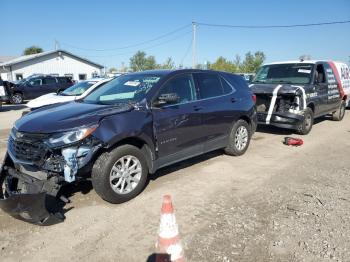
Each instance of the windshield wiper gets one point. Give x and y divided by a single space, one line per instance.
282 81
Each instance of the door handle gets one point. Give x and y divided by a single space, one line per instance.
197 108
233 100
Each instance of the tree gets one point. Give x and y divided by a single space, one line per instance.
168 64
139 62
252 62
32 50
305 57
222 64
113 70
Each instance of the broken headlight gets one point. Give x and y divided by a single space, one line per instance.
69 137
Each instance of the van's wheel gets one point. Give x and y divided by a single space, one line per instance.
306 125
340 113
17 98
239 139
120 175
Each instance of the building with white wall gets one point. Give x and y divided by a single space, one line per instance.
57 63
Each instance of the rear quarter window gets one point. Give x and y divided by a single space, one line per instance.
209 85
236 81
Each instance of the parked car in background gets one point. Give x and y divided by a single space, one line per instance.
36 86
248 77
3 92
292 94
77 91
121 132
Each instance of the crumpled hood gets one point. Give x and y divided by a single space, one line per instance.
260 88
66 116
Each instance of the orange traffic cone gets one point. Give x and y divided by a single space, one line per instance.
168 246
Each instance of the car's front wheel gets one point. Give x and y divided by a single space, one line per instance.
239 138
120 175
17 98
306 125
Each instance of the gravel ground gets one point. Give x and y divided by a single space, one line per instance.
275 203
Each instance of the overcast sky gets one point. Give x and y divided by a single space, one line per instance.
114 25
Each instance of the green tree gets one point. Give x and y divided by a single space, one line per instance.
305 57
141 62
222 64
113 70
32 50
252 62
168 64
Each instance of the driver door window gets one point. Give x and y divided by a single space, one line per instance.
36 82
183 86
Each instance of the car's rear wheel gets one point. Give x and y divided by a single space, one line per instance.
340 113
306 125
239 138
17 98
120 175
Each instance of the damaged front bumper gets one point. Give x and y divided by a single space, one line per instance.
282 120
28 199
33 174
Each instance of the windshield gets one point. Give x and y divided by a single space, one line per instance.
128 88
78 89
284 73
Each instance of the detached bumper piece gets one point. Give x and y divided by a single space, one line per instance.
40 209
30 199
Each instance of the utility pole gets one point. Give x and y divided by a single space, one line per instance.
194 29
56 45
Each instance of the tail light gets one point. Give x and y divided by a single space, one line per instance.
254 98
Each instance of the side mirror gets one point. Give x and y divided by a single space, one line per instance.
170 98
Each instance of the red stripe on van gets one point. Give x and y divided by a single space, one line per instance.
337 76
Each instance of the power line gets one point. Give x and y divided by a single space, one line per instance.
186 52
274 26
146 48
133 45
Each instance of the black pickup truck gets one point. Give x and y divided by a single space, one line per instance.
292 94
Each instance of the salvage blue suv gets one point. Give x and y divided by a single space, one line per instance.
117 135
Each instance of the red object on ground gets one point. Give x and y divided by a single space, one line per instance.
291 141
168 246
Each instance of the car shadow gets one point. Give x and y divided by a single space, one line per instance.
6 108
69 190
282 131
85 186
184 164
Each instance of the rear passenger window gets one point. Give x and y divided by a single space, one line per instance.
49 81
209 85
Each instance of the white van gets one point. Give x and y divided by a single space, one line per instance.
344 79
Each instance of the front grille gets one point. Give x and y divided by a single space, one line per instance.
28 148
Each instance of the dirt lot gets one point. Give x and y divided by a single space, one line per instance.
276 203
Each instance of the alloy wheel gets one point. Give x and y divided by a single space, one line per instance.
125 174
241 138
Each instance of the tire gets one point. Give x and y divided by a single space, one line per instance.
339 114
17 98
110 163
305 127
239 139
